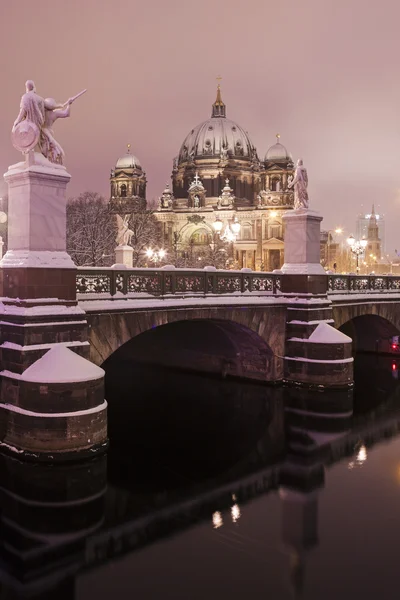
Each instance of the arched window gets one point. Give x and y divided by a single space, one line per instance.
275 184
200 237
123 190
274 230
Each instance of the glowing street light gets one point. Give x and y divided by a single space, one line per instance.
155 255
357 247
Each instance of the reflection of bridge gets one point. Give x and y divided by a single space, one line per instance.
59 523
121 304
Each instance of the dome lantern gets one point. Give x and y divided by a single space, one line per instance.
218 108
278 152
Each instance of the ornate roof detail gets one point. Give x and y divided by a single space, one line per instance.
227 197
166 199
196 184
218 108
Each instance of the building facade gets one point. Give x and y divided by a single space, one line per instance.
221 193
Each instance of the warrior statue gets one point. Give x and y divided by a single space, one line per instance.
299 183
32 129
124 233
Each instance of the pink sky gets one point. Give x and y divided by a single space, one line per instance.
323 73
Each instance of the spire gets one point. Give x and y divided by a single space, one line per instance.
373 211
218 108
128 148
278 137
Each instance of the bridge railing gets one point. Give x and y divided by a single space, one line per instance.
158 282
348 284
99 281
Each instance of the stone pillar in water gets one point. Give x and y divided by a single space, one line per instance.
52 398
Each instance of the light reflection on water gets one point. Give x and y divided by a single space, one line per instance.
243 499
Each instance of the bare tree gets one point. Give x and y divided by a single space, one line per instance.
91 230
146 234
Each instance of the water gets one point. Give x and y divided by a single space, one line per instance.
212 490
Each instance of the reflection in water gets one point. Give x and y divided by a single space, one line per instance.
235 513
360 459
217 520
188 450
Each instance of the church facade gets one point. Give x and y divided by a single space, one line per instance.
221 193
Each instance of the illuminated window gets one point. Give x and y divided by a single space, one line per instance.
200 237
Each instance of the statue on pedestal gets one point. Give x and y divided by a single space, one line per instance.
124 234
300 183
32 129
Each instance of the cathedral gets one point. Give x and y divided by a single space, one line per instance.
222 194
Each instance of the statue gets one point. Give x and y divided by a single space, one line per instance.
299 183
32 129
196 201
124 233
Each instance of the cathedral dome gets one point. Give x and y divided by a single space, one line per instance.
217 136
277 152
129 161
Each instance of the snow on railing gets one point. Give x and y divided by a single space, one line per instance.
347 284
111 281
161 282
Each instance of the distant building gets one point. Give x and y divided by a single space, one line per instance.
362 224
373 251
218 180
329 250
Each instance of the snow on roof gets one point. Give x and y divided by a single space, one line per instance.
326 334
61 365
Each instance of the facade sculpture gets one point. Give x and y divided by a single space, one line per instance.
300 183
33 128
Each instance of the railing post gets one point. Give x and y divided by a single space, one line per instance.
161 280
113 287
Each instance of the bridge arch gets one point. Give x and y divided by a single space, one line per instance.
240 341
370 333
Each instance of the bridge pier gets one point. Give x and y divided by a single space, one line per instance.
51 397
316 354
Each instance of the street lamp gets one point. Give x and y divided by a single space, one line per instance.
230 233
357 247
155 255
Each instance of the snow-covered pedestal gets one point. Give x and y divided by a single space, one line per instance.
55 407
46 408
324 358
124 255
302 268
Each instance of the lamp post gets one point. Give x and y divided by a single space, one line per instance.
155 255
357 247
230 233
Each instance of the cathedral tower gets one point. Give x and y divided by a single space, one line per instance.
128 185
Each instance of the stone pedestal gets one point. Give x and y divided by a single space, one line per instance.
39 313
124 256
303 271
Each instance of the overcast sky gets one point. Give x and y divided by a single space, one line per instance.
325 74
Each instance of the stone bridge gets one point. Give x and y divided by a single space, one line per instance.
232 322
